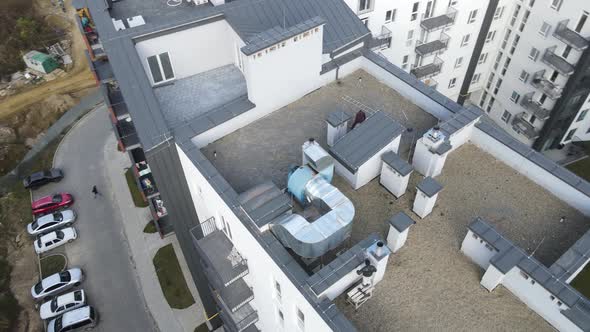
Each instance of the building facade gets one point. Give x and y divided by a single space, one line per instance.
523 62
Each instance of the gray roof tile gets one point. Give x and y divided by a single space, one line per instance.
401 221
337 118
429 186
394 161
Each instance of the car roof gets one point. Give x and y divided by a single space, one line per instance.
51 280
75 315
49 236
66 298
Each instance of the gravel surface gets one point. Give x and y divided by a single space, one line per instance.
429 284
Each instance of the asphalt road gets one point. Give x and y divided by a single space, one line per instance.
101 249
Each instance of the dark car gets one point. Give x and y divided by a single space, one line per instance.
38 179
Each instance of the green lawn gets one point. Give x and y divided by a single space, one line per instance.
134 189
150 228
582 282
171 279
52 264
202 328
582 167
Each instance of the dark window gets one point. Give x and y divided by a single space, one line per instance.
166 66
58 216
78 296
566 52
155 69
56 199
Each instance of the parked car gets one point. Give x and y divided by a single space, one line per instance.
85 317
60 304
55 239
51 203
57 283
39 179
51 221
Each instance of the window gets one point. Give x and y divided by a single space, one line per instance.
390 15
570 134
506 37
475 78
524 76
515 15
515 97
491 35
482 58
545 28
506 64
506 117
497 87
472 16
554 76
459 62
582 115
498 58
278 293
405 62
429 9
364 5
160 67
581 22
531 3
281 317
525 18
498 13
542 99
452 3
514 43
566 52
414 14
465 40
452 82
556 4
482 101
490 104
534 54
410 37
490 80
300 319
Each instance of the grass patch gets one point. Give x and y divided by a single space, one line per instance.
150 228
171 279
52 264
581 168
582 282
202 328
135 193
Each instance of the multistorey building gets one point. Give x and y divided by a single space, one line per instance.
525 62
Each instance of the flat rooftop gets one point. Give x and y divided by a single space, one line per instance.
429 284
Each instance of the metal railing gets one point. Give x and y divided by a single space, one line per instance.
549 88
556 62
534 107
428 70
523 127
569 36
383 40
432 23
435 46
208 226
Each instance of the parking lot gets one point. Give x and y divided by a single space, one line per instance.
101 249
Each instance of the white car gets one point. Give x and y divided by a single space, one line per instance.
57 283
51 222
82 318
55 239
60 304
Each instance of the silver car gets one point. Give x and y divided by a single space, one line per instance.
85 317
52 221
57 283
60 304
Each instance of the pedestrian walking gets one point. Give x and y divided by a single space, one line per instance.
95 191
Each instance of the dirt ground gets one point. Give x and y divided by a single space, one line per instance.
26 115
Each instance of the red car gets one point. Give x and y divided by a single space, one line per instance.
51 203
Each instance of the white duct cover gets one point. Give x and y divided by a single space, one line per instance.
313 239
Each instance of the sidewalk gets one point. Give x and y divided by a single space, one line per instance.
144 247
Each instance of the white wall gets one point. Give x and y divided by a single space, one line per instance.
262 268
193 50
475 248
554 185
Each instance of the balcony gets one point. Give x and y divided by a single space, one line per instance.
523 127
90 35
556 62
428 70
126 134
534 107
549 88
241 320
438 22
569 36
114 100
431 83
435 46
381 41
223 264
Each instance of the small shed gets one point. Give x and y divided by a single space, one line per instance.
40 62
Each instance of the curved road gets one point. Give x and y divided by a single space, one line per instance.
101 249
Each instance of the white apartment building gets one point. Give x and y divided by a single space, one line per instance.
524 60
248 114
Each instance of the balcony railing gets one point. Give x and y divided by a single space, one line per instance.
223 263
127 134
534 107
381 41
523 127
431 82
428 70
240 320
569 36
438 22
236 295
435 46
549 88
556 62
90 34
